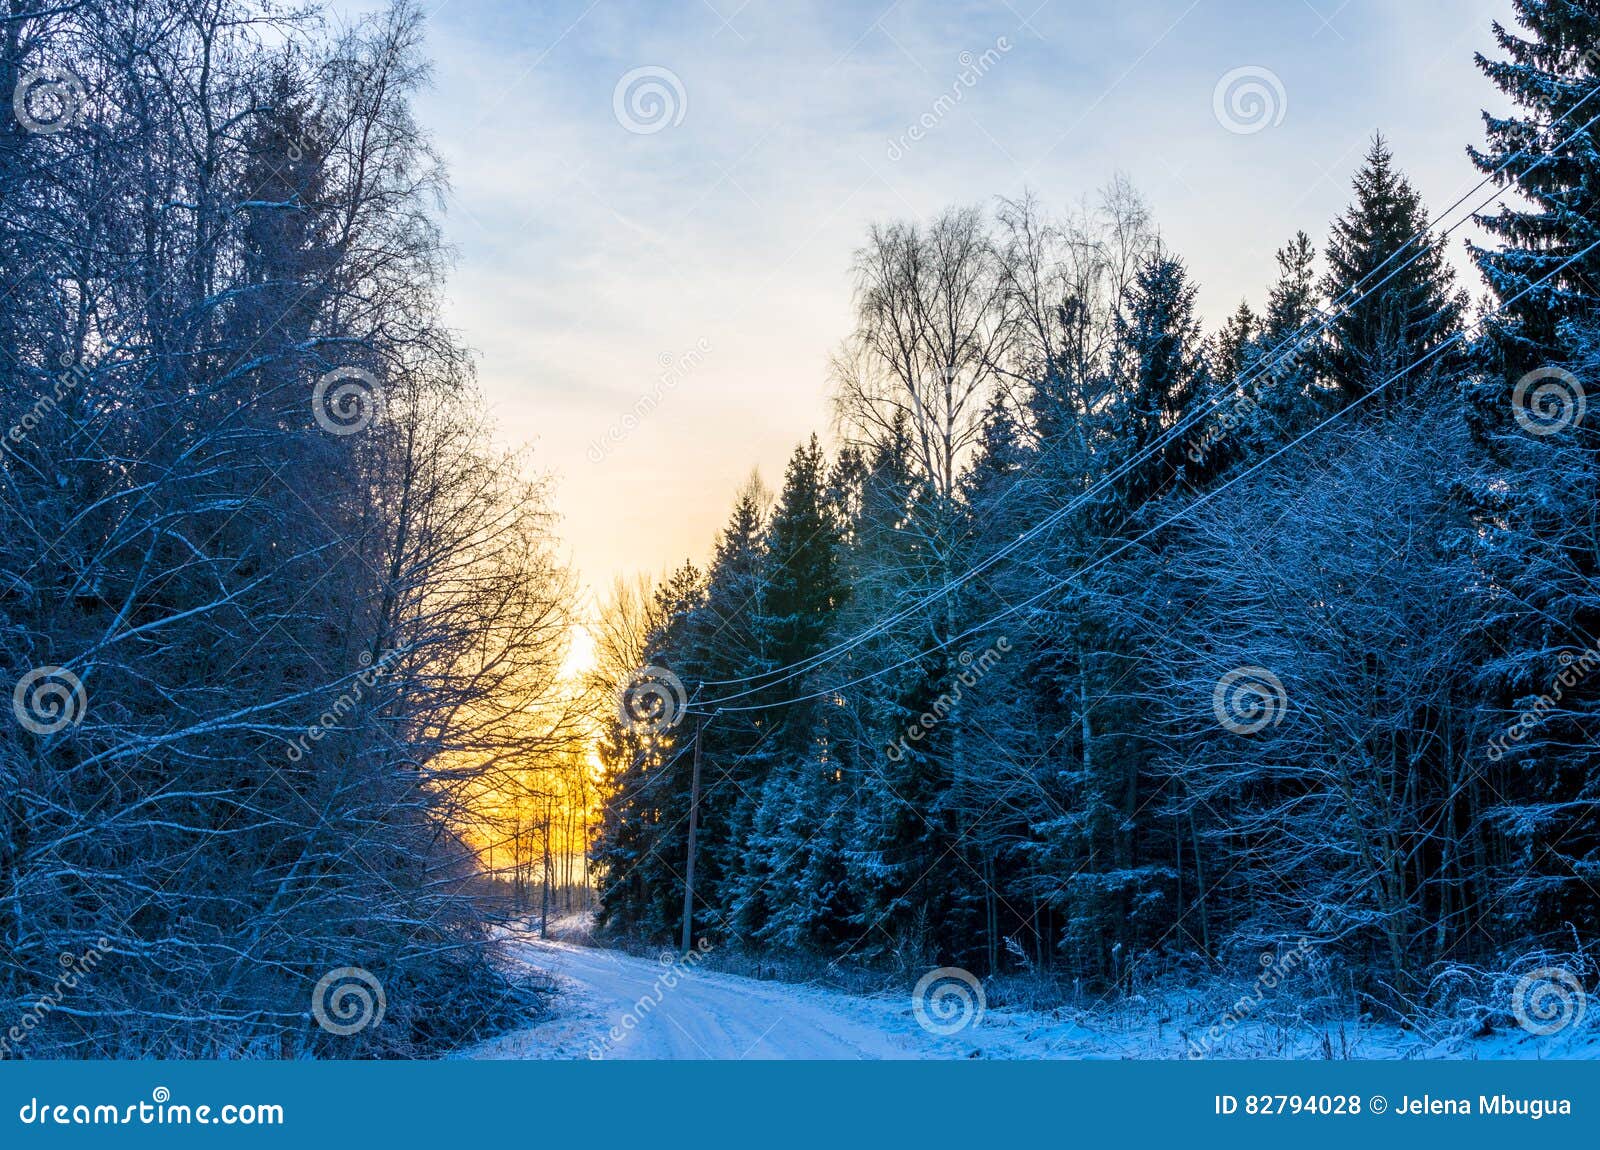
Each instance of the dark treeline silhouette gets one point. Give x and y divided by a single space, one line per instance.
274 609
1108 647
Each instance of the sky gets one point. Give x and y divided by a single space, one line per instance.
654 205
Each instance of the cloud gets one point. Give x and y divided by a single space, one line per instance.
589 251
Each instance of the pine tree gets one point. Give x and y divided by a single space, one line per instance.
1160 368
885 562
999 706
1391 296
1532 494
1556 167
1292 302
1233 344
644 846
726 646
1277 396
781 588
289 237
802 582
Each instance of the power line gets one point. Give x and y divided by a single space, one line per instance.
1182 512
1264 366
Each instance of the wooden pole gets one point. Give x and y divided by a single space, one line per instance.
544 912
694 816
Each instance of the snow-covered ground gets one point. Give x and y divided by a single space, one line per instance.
615 1005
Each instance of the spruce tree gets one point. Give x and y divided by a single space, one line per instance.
1278 391
1532 494
1292 302
802 582
1548 72
725 645
1388 287
759 750
1161 369
1233 344
644 843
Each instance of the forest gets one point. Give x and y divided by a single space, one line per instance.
1111 649
1089 646
278 615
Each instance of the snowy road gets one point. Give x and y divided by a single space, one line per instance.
618 1006
614 1005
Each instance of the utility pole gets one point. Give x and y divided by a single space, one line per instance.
694 817
544 911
